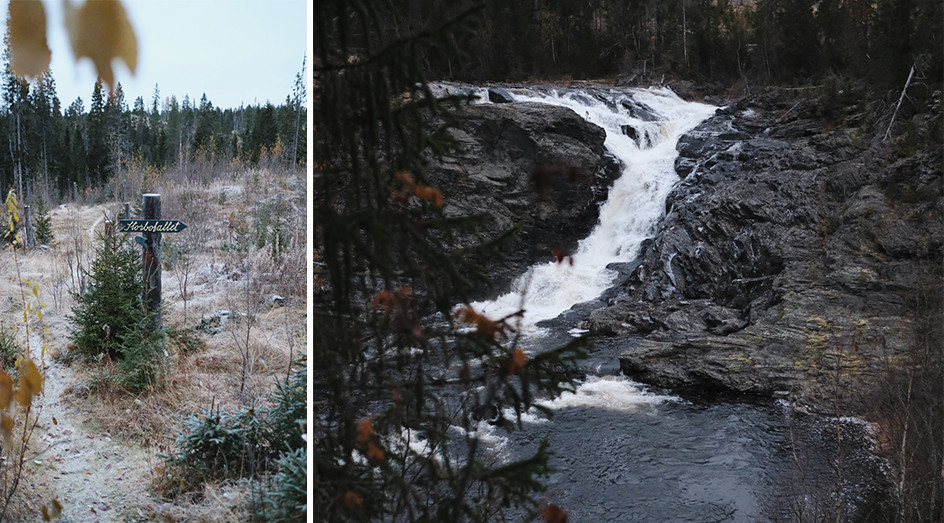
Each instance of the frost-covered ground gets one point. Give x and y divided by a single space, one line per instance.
95 448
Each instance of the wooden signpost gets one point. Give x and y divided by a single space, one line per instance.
152 226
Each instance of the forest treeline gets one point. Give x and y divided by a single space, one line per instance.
754 42
51 146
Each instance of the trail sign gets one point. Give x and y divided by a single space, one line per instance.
152 226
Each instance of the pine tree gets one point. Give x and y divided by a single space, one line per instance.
394 373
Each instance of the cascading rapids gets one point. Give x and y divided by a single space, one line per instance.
642 128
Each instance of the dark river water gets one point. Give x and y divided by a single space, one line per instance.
625 452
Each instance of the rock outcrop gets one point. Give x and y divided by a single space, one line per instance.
790 254
540 168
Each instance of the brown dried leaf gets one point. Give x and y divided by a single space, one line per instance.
6 431
365 429
29 52
31 383
56 509
429 194
518 360
483 325
100 30
374 452
6 390
406 179
554 514
385 300
6 425
352 500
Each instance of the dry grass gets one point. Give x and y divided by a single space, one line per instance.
215 264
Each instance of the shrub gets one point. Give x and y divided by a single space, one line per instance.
142 363
186 340
215 445
286 499
285 431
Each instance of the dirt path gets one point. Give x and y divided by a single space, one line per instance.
94 476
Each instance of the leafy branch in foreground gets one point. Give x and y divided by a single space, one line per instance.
19 419
403 383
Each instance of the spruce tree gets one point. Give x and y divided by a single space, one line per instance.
105 316
43 223
401 381
109 320
97 132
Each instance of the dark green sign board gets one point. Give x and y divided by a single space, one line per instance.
154 226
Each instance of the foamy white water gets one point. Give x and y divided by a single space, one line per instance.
635 203
607 392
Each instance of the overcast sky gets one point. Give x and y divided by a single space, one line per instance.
235 51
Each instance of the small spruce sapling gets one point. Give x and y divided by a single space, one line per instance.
43 223
109 320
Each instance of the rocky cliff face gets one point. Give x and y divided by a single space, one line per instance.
791 255
537 167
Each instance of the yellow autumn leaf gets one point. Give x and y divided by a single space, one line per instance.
31 383
29 52
6 390
101 32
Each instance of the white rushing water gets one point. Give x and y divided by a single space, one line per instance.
635 203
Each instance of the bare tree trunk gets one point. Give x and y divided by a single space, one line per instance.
28 225
685 36
903 451
888 132
19 155
837 412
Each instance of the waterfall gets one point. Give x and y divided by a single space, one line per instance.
642 128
